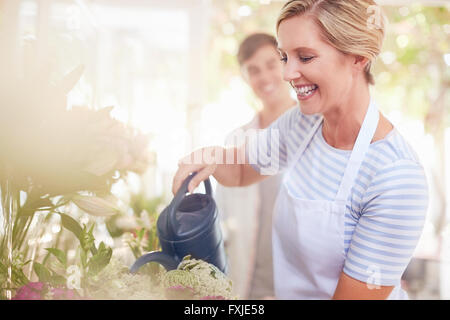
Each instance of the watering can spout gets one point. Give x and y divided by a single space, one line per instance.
167 261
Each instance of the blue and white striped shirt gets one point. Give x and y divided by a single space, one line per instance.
388 202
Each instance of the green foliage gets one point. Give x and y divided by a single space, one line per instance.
18 276
71 224
415 78
90 260
99 260
59 254
87 239
42 272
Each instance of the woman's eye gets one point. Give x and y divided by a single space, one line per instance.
305 59
283 59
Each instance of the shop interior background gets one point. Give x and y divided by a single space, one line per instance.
169 69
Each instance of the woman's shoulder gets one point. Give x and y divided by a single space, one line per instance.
393 158
395 147
392 170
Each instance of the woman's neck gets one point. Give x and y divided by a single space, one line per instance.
271 112
343 122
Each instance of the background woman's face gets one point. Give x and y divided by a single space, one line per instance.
321 75
263 71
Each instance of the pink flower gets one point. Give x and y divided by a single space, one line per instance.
31 291
179 292
64 294
213 298
39 290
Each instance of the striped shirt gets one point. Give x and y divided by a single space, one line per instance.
386 207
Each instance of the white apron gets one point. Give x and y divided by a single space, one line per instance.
308 235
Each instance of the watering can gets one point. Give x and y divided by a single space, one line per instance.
188 226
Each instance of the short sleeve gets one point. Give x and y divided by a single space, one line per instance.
266 150
391 222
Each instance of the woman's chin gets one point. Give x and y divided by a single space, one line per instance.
308 110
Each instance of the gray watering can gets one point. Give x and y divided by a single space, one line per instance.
188 226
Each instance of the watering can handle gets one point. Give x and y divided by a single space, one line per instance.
181 194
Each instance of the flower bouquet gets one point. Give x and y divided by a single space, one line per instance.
192 280
50 157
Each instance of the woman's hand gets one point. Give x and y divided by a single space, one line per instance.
228 166
202 161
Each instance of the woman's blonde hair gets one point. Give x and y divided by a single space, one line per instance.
351 26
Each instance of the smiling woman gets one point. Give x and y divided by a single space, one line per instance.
378 226
352 204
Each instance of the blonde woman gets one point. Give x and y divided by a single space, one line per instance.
353 201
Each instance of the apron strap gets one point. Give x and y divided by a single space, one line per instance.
359 152
303 146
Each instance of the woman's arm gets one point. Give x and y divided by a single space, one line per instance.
387 232
228 166
351 289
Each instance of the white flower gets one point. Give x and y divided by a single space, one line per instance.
96 206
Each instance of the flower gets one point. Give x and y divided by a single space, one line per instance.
180 293
62 151
115 282
212 282
213 298
182 278
96 206
44 291
63 293
31 291
207 282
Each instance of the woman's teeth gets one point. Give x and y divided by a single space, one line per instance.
306 91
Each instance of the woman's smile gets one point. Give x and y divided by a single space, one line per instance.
306 92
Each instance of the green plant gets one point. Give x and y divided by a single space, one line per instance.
89 261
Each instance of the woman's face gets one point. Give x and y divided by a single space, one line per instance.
321 75
263 71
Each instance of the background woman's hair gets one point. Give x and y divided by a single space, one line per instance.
351 26
253 43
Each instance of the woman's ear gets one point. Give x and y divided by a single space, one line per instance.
360 62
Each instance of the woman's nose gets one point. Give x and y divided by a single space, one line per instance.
291 72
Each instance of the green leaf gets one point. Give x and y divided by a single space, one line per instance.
112 227
19 277
42 272
100 259
59 254
71 224
83 258
140 234
87 240
33 204
58 279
